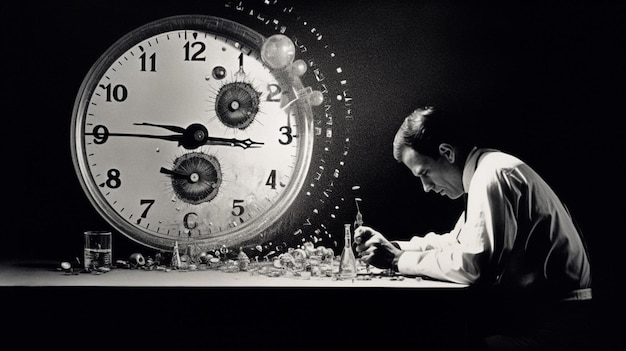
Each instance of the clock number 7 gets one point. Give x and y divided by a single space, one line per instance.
144 214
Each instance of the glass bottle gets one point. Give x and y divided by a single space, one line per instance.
347 262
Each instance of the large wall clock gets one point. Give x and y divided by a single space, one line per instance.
185 132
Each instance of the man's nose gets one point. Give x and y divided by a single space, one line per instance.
428 186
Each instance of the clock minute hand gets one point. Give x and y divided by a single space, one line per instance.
246 143
191 137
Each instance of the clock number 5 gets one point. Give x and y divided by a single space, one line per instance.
238 210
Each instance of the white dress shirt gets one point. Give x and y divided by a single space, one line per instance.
517 234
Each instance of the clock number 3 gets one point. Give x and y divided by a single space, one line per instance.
286 131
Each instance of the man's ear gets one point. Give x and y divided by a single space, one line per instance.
448 152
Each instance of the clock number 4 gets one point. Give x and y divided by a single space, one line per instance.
271 180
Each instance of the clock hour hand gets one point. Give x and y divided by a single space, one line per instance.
176 129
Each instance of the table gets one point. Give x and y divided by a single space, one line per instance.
47 274
285 309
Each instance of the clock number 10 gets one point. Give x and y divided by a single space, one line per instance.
117 93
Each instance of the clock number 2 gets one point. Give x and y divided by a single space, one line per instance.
273 93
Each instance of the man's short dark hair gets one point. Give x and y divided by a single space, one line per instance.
427 128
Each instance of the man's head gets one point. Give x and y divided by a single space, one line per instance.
434 145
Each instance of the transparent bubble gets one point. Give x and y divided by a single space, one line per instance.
316 98
278 51
299 67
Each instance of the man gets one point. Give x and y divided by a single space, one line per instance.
515 241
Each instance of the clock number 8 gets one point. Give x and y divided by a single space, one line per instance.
113 180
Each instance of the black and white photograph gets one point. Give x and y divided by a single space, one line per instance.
439 175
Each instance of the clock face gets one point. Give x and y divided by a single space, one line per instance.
181 133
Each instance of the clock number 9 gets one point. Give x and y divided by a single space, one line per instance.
100 134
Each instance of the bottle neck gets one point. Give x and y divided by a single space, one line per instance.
347 238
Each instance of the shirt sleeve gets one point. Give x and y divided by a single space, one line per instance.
433 240
460 261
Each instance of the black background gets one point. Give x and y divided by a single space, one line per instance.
543 82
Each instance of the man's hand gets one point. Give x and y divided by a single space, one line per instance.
374 248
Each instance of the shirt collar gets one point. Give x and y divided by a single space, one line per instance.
470 167
471 164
